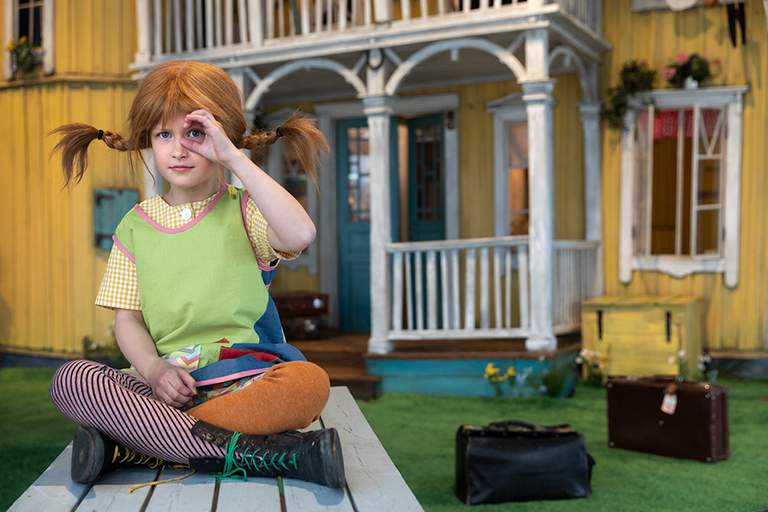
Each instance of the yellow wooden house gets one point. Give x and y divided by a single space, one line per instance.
471 191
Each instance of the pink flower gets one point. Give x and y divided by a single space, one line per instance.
716 62
682 58
668 73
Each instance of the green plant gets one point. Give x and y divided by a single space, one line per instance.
23 56
558 377
694 66
593 364
634 77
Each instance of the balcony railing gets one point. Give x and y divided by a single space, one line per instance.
478 288
172 27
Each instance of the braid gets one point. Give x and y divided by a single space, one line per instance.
302 138
76 138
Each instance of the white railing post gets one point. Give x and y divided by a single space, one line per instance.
256 22
523 289
144 21
383 10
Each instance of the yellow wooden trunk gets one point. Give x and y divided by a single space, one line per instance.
645 335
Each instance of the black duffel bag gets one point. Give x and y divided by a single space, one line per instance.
518 461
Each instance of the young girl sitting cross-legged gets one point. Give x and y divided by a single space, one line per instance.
212 385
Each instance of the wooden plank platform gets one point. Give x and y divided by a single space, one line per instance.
373 481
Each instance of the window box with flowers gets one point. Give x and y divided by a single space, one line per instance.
24 58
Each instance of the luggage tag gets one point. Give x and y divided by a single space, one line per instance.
669 404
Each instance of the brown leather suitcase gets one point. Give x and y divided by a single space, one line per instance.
694 426
301 304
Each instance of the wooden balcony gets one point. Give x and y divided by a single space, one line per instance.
250 32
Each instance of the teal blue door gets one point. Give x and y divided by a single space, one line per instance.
426 178
426 194
354 228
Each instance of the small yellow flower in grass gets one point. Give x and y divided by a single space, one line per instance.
22 39
11 46
511 371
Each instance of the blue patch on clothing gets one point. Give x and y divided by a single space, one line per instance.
225 367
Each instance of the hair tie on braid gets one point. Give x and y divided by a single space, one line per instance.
100 135
279 132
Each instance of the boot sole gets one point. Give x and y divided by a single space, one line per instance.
333 461
87 455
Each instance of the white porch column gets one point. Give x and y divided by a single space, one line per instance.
238 76
378 111
593 188
538 105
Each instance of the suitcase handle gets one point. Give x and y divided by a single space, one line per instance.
530 427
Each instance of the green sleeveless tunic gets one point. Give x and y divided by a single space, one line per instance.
197 283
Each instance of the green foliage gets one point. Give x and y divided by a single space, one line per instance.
23 56
634 77
694 66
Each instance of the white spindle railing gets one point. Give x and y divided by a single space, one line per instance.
589 12
169 27
574 278
478 288
475 288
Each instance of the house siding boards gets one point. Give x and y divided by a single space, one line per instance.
735 319
49 267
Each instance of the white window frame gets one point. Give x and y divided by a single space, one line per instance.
10 15
727 262
308 257
511 109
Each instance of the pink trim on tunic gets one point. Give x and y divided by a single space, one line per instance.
123 249
186 226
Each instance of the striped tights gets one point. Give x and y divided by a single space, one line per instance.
121 406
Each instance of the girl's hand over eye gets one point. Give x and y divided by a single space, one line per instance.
214 145
171 384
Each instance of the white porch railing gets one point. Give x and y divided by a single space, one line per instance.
168 28
478 288
574 278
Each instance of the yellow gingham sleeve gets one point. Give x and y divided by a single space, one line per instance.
257 234
119 286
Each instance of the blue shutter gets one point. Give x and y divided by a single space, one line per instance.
109 207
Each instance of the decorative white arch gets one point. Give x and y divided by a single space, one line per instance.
587 92
263 85
504 56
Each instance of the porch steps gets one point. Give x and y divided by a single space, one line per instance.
342 357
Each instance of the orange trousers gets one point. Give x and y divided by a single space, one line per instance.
288 396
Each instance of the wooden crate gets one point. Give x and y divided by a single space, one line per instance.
644 336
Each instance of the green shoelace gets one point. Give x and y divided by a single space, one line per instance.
258 461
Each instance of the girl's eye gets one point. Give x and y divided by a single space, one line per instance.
160 134
195 130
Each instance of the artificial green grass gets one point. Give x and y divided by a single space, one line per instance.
418 433
32 431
